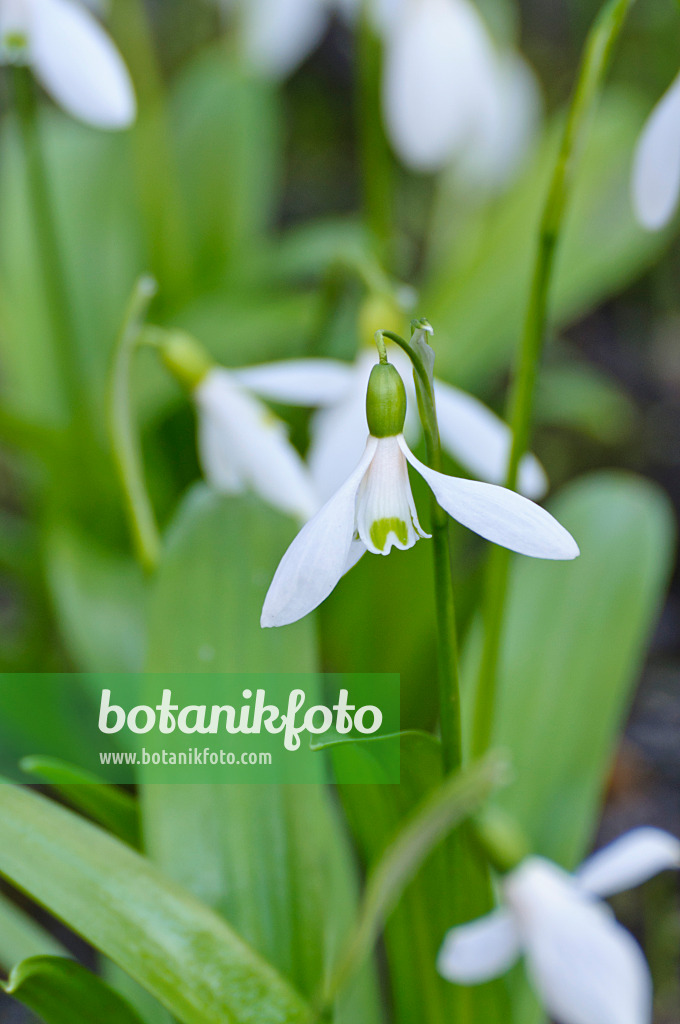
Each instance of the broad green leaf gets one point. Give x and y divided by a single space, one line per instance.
274 860
478 300
575 640
61 991
99 599
178 949
110 806
22 937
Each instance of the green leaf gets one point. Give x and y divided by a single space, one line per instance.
438 814
477 306
179 950
21 937
274 860
61 991
574 642
108 805
99 598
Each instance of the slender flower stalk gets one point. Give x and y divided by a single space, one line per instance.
595 62
123 433
49 254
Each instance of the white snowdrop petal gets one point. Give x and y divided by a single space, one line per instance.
278 34
386 516
357 551
499 515
481 950
656 166
243 438
318 557
586 968
307 382
629 861
78 64
15 23
481 441
437 69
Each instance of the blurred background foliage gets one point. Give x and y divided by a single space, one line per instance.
243 197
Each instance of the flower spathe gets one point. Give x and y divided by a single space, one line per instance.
243 445
374 511
656 168
586 968
71 56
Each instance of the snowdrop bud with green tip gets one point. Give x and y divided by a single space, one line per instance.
241 444
374 511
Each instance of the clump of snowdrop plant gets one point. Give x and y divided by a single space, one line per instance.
656 168
374 511
241 443
72 57
448 92
585 967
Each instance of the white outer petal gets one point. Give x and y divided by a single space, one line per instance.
481 950
240 440
499 515
278 34
438 69
481 441
629 861
318 557
656 166
79 66
586 968
308 382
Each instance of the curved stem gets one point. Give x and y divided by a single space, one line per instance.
447 645
597 53
49 255
125 442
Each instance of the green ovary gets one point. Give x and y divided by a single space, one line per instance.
381 529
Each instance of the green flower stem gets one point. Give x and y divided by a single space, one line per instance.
447 646
49 255
156 166
595 62
124 437
375 154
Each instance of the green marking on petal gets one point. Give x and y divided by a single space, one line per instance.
381 529
15 42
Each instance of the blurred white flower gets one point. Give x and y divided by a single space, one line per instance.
585 967
374 511
243 444
72 57
448 92
470 432
656 166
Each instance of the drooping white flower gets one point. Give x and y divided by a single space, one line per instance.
656 166
71 56
470 432
585 967
374 511
242 445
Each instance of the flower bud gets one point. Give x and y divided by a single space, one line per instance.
379 312
385 401
186 359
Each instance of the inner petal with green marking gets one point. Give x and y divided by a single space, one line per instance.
386 515
381 529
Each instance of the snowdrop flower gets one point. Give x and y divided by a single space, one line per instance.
656 166
374 511
470 432
241 444
585 967
71 56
